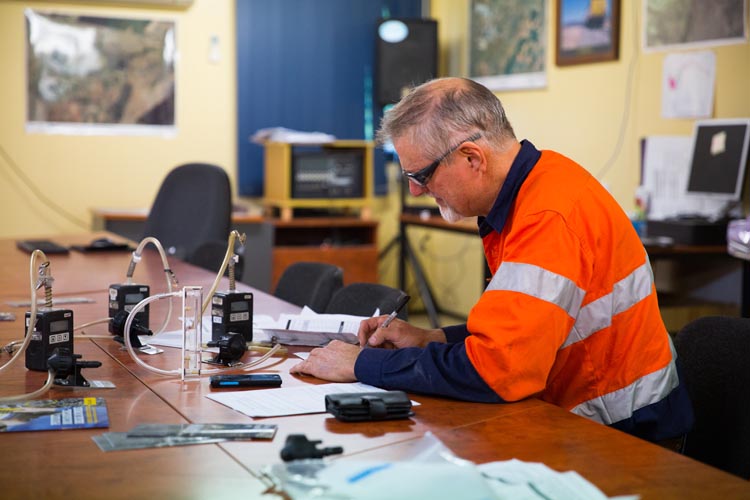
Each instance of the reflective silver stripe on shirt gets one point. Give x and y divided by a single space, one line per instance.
622 403
540 283
625 294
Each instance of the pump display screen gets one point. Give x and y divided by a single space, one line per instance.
58 326
134 298
241 305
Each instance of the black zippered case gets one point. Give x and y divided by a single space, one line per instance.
359 407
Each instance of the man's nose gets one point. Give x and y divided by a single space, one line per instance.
416 190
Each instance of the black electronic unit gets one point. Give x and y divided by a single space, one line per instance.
690 231
124 297
232 312
53 329
328 173
406 55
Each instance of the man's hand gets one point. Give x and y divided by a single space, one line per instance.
396 335
335 362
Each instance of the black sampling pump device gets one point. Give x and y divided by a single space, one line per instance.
53 327
232 311
123 297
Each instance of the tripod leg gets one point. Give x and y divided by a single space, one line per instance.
424 288
385 251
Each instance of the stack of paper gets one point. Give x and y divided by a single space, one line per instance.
309 328
281 134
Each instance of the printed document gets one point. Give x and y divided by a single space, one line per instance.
309 328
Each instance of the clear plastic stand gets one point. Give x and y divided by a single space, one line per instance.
192 300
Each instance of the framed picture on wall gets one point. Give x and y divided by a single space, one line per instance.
508 43
100 75
588 31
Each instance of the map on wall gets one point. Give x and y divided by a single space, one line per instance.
99 75
697 23
508 43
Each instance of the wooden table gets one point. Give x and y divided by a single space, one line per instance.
68 464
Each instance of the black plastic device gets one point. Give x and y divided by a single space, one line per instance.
46 246
298 447
124 297
68 366
102 245
117 326
232 312
53 330
245 380
231 349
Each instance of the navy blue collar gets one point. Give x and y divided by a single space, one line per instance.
524 161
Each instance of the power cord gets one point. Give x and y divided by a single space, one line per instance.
54 207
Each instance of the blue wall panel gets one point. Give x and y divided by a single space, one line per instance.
307 65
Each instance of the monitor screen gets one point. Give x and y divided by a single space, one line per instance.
328 173
720 149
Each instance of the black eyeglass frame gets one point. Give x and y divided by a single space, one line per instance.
422 177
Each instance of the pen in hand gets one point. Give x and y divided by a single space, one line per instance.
402 300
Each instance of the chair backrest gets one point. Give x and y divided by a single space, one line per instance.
193 206
714 353
210 255
361 299
309 284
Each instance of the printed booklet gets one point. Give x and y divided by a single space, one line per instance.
53 414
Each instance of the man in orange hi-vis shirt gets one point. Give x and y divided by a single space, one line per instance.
570 314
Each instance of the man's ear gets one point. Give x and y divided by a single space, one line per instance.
475 155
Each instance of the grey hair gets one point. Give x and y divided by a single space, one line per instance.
440 112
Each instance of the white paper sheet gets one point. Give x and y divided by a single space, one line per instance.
309 328
286 401
688 82
666 168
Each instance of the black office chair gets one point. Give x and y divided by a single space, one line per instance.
361 299
715 356
210 255
309 284
193 206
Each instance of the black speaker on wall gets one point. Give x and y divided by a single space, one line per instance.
406 55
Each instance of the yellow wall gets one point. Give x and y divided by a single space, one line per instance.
580 113
83 172
582 110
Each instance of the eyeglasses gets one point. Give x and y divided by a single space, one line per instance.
422 177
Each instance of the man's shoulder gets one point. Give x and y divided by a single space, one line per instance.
556 173
558 162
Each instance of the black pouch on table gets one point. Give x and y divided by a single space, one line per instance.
358 407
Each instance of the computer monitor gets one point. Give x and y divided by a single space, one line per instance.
720 149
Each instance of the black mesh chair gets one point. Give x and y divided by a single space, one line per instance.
715 356
361 299
310 284
193 206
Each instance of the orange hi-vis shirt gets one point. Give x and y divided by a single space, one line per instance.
571 312
569 316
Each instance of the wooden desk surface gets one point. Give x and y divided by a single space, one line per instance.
68 464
